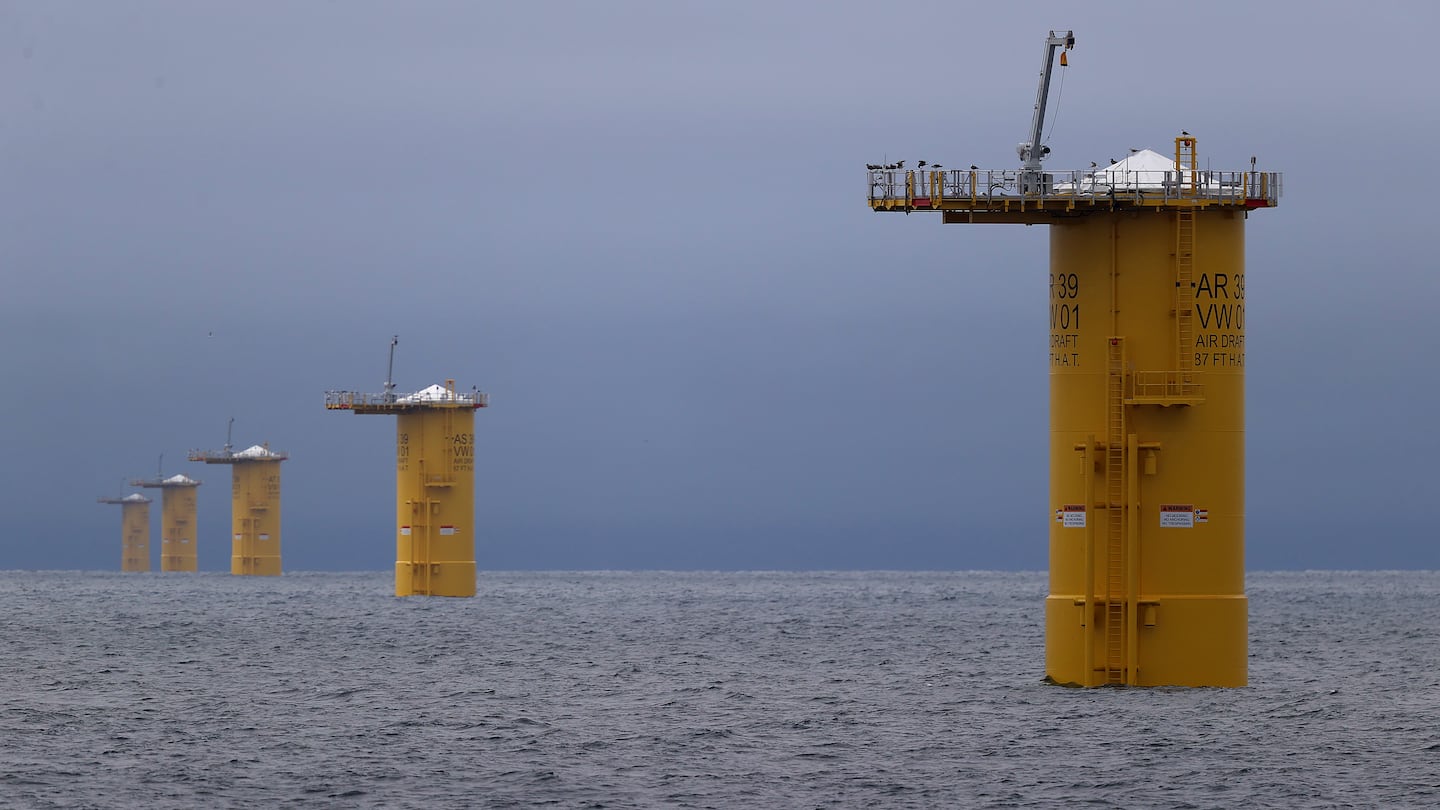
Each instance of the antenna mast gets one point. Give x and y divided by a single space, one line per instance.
228 428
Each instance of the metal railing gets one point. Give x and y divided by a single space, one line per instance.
348 400
933 187
1166 385
224 456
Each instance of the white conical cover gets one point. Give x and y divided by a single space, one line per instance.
1143 169
1141 160
135 498
256 451
435 393
179 479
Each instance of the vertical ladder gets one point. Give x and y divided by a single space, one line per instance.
420 534
420 529
1184 288
428 559
247 543
1187 161
1115 590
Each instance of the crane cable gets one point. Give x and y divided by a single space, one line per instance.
1059 96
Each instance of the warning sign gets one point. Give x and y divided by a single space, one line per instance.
1073 516
1177 516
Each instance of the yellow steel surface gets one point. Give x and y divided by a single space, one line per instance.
1153 453
135 536
178 549
255 517
435 502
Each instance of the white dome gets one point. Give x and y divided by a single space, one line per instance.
435 393
256 451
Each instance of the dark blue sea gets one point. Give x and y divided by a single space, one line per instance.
662 689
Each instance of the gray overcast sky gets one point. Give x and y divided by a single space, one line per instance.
642 228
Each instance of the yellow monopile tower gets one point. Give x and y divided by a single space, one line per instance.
134 531
254 507
178 549
1147 397
434 483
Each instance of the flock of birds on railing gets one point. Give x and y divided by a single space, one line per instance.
900 164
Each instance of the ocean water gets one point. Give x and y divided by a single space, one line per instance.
662 689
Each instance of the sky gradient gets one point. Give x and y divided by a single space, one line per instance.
641 227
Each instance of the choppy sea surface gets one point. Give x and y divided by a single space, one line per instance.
663 689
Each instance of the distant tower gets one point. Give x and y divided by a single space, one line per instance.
1147 397
134 531
254 506
178 550
434 483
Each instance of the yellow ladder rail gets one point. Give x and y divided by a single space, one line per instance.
1184 288
1187 160
1115 571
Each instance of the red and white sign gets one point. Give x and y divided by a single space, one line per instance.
1177 516
447 530
1073 516
404 531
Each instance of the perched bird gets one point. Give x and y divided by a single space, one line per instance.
1113 161
922 164
872 166
1093 164
973 167
899 164
1183 132
936 166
